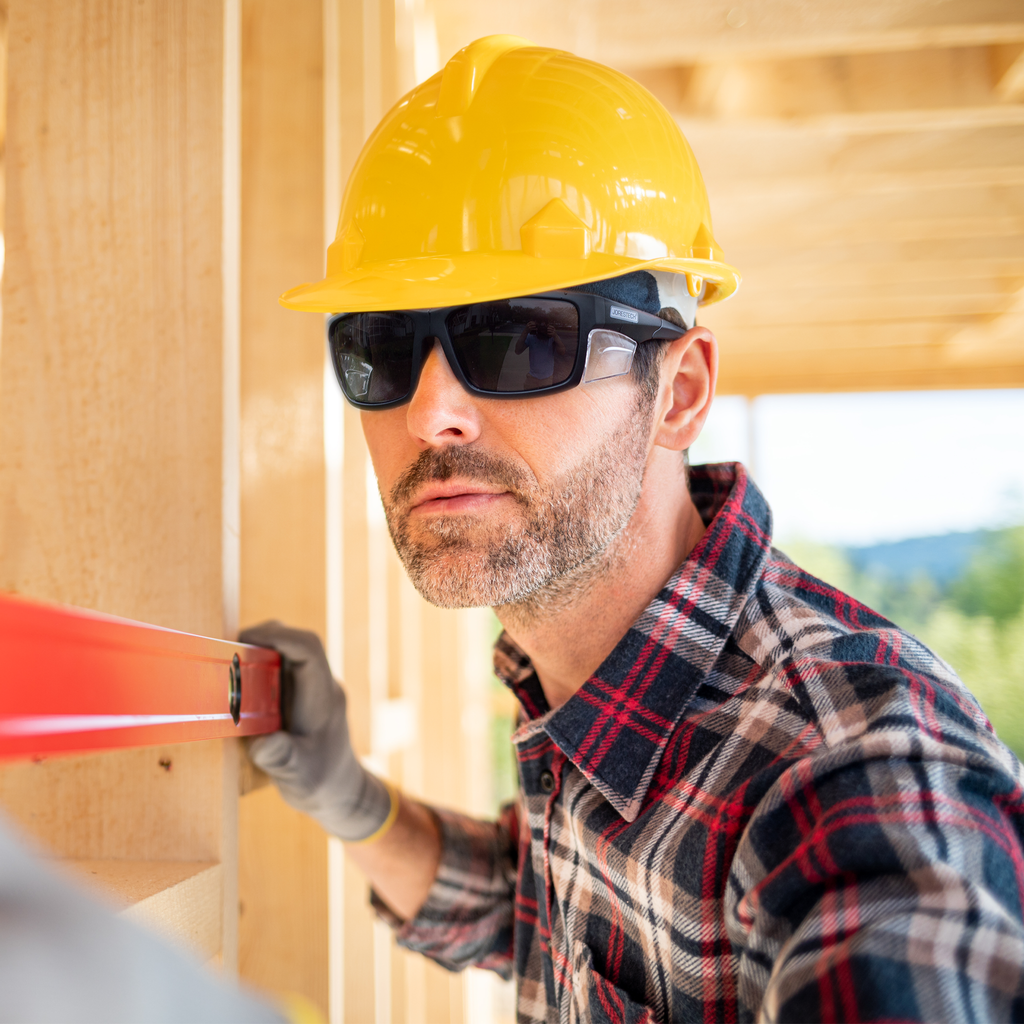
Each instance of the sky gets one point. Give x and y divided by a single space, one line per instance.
857 469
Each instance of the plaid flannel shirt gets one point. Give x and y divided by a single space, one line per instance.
768 803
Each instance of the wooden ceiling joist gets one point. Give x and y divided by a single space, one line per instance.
665 32
865 165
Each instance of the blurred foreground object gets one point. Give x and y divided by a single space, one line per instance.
65 957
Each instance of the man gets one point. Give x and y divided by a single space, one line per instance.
542 342
742 794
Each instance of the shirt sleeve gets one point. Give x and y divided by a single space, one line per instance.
883 881
467 918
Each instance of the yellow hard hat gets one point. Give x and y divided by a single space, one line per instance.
515 170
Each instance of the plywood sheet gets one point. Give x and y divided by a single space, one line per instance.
179 899
110 429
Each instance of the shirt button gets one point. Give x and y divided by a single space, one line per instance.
547 781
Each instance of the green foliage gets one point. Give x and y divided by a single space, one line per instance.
993 585
976 623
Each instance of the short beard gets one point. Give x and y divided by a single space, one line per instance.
547 555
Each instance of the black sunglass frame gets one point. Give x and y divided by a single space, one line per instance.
594 312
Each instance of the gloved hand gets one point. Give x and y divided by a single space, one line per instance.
313 764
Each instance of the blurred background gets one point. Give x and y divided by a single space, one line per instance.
175 450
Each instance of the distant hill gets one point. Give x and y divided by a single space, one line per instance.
943 558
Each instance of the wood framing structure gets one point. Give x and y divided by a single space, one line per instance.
112 463
865 164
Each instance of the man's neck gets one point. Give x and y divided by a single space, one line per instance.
568 637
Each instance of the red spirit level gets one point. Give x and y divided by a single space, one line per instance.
74 680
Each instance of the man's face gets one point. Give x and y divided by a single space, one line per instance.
496 502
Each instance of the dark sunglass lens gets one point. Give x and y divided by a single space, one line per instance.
372 355
516 345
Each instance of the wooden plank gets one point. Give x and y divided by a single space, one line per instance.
178 899
864 182
873 355
809 232
189 912
282 352
801 87
760 152
110 447
783 373
984 253
283 854
664 32
1010 73
1000 275
282 898
152 803
111 385
878 336
788 309
988 207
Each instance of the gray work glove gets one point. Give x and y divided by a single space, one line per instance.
313 764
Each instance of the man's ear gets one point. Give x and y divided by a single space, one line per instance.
689 372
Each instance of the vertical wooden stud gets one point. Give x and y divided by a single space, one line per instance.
283 860
111 388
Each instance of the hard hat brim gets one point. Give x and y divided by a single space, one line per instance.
427 282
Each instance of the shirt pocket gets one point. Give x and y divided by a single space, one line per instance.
595 1000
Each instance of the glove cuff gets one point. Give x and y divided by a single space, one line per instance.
368 817
385 826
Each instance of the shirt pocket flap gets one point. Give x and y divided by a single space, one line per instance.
595 1000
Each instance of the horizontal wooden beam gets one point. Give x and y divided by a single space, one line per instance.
732 153
839 182
763 287
660 32
794 306
1010 84
873 355
766 275
936 213
790 376
777 257
819 86
808 339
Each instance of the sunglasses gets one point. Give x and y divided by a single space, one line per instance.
506 348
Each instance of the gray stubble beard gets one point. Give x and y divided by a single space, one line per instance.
538 564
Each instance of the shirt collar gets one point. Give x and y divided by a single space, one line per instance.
615 727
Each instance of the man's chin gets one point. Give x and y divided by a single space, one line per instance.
463 576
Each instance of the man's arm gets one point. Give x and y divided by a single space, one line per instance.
523 335
402 864
444 881
394 840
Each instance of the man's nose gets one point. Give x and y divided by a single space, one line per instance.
441 411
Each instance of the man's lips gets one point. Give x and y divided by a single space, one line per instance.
455 496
